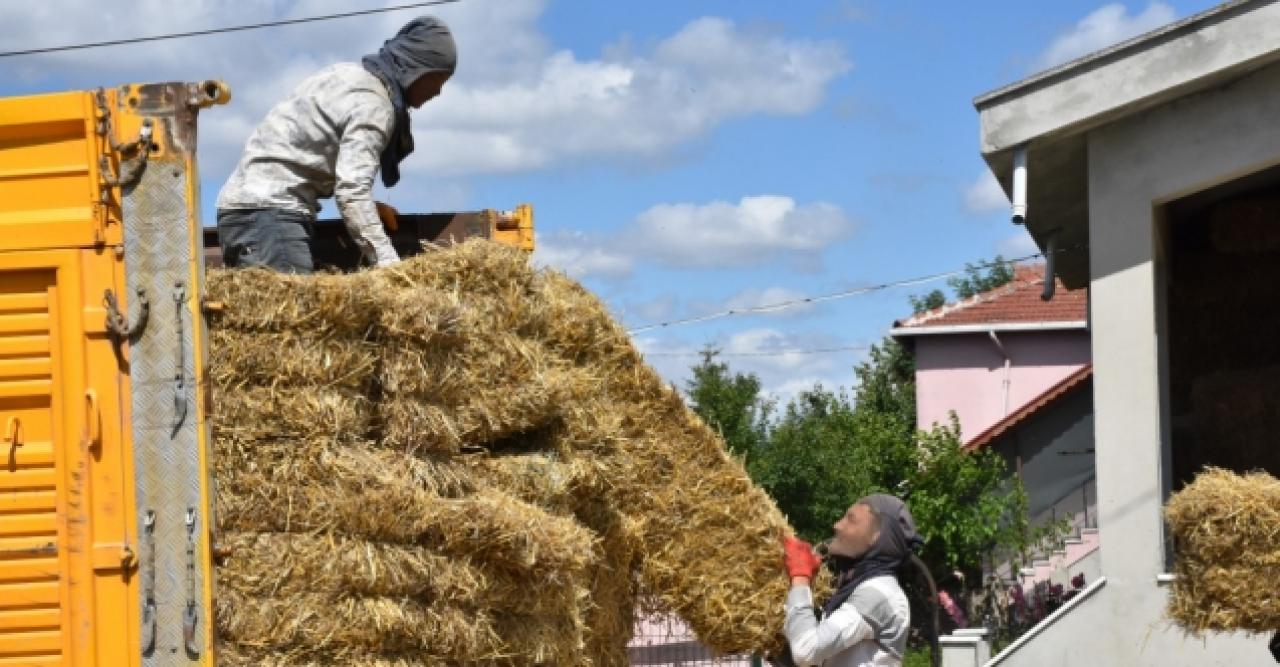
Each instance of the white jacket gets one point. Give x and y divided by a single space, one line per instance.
868 630
324 140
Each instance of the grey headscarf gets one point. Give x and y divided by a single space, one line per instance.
424 45
898 540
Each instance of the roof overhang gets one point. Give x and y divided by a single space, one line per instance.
902 332
1051 113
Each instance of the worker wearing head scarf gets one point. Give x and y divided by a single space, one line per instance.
865 622
329 138
423 47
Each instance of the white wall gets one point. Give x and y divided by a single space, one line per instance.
1136 165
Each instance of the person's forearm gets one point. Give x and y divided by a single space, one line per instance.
799 581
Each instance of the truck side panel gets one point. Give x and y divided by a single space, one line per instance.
80 465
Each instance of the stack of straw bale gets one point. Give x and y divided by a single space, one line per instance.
463 460
1226 530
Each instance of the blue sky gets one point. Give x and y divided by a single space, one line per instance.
681 157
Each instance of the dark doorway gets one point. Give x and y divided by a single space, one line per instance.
1223 259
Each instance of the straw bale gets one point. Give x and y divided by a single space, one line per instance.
610 617
542 478
444 398
1226 531
275 359
237 655
490 525
476 269
695 505
290 564
256 413
415 423
321 304
318 625
284 565
420 317
585 477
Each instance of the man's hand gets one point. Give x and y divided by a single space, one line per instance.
800 560
387 214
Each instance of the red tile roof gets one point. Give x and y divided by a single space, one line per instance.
1051 395
1017 302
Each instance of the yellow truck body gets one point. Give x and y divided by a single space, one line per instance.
80 557
106 513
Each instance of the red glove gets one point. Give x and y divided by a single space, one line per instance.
799 557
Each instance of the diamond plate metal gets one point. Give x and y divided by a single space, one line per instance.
158 243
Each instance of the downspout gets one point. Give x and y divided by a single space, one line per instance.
1007 363
1050 271
1019 199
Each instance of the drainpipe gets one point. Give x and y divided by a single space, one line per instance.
1019 185
1007 363
1050 271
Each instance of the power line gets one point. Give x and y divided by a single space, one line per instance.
215 31
833 296
765 353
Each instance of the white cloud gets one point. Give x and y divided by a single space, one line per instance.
516 103
985 195
662 307
754 230
1105 26
581 255
718 234
1018 245
624 104
782 375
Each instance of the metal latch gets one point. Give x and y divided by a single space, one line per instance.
114 556
117 323
13 438
149 583
180 361
190 616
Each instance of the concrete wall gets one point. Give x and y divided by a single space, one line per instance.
1053 451
1135 166
965 373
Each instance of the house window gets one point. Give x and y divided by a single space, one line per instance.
1223 313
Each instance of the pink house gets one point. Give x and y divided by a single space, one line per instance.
989 355
1015 370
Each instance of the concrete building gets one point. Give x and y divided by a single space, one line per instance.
1152 173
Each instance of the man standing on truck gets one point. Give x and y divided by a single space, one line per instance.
329 138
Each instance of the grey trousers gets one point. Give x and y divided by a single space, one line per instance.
269 237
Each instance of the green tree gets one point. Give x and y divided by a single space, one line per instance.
887 385
729 402
981 277
935 299
826 449
812 461
965 503
977 278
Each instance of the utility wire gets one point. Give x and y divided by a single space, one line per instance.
833 296
216 31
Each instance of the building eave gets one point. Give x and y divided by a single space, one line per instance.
905 332
1050 114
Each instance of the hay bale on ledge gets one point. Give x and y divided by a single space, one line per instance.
1226 531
